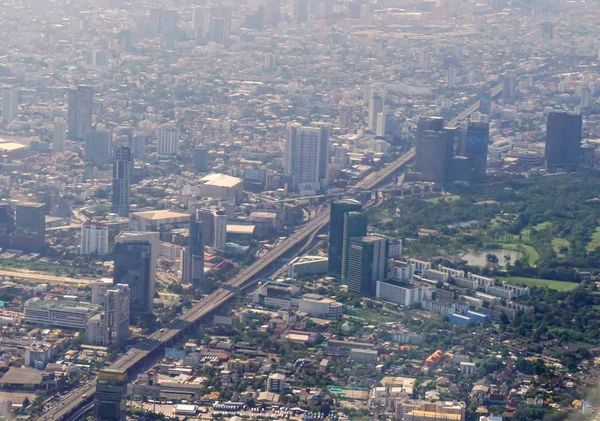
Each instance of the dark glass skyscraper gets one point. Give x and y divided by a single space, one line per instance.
111 388
355 225
367 263
133 268
434 150
194 257
336 233
200 159
121 185
563 142
476 149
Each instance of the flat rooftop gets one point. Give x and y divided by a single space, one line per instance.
62 305
160 214
22 375
221 180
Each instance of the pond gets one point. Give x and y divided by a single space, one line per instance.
478 258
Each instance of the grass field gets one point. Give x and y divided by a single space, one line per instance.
558 243
541 283
450 198
370 315
531 253
595 243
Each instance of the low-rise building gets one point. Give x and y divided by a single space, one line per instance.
307 266
318 306
65 313
402 293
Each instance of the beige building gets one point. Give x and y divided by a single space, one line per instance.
158 220
222 186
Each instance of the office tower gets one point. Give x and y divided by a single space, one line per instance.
563 142
586 97
206 216
194 256
10 104
200 22
509 91
60 134
98 147
476 149
382 118
301 13
355 225
269 62
116 314
79 116
306 157
424 58
168 140
168 22
451 77
200 159
434 148
485 103
220 218
121 185
547 31
136 256
30 226
367 263
99 288
138 145
336 233
111 389
220 24
94 238
375 107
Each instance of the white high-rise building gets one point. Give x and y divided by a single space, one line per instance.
94 238
451 77
10 104
168 140
375 107
381 122
220 219
111 327
60 134
307 157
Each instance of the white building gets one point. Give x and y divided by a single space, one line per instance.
455 273
220 220
111 327
307 157
318 306
276 382
401 270
94 238
167 142
61 313
467 369
221 186
10 104
419 265
395 251
60 134
436 275
402 293
307 266
99 289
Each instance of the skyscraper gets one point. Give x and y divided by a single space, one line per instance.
136 255
476 149
509 91
79 117
375 107
111 388
121 185
194 256
98 146
10 104
60 134
355 225
336 233
138 145
434 149
30 226
116 314
94 238
220 24
200 158
367 263
563 142
220 218
168 140
306 157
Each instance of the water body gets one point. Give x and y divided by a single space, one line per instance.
477 258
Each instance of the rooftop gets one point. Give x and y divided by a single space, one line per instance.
61 305
160 214
22 375
221 180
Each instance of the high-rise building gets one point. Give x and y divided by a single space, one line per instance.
79 117
375 107
547 30
220 218
336 233
355 225
367 263
30 226
476 149
111 389
168 140
121 185
563 142
306 157
220 24
509 91
116 314
10 104
451 77
138 145
94 238
434 149
194 256
98 146
382 118
200 159
136 256
60 134
424 58
214 227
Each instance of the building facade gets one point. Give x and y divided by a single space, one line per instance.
79 117
367 264
121 185
307 157
94 238
338 210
